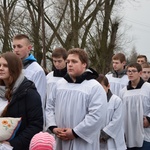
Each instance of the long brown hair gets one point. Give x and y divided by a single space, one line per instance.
15 68
103 79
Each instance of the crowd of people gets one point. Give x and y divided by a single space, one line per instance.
73 107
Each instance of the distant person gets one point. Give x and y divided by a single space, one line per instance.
77 106
20 95
42 141
145 71
33 71
112 135
117 77
141 59
136 102
59 56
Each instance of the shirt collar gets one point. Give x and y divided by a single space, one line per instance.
139 85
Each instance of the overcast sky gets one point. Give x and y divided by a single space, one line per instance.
137 17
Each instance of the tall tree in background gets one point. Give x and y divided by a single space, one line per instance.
7 19
71 30
35 32
69 23
133 56
104 42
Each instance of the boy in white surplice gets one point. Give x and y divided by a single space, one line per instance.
78 104
136 103
112 135
117 77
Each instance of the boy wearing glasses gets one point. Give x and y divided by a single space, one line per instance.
117 77
136 102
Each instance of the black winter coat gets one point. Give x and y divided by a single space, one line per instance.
26 103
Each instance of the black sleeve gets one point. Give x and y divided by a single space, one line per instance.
51 128
76 136
33 119
148 118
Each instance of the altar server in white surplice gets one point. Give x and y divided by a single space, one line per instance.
59 56
32 70
112 135
78 105
136 103
117 77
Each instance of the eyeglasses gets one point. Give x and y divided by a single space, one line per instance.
132 71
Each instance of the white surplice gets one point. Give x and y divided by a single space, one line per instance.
35 73
116 84
81 107
136 103
114 125
51 81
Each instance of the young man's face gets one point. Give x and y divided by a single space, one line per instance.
145 74
141 60
21 48
117 65
74 66
133 74
59 63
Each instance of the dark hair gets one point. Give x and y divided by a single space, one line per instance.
83 56
59 52
15 68
119 56
135 65
145 65
142 56
103 79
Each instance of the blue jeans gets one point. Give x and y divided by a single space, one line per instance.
135 148
146 146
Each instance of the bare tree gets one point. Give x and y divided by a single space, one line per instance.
133 56
35 31
104 42
7 9
68 23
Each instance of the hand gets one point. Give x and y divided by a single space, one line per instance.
69 134
5 142
146 124
57 130
60 133
64 133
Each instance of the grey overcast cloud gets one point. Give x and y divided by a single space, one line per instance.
136 16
